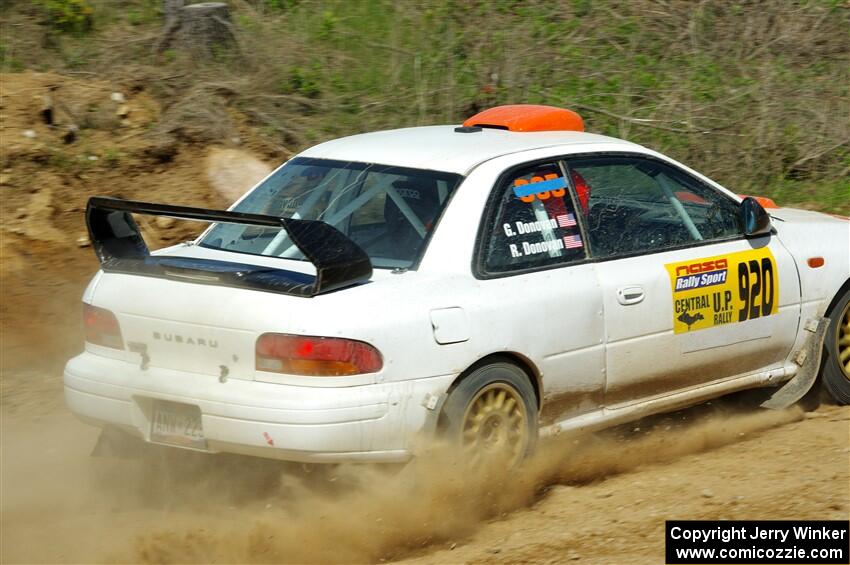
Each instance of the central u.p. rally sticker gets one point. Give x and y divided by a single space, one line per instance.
724 289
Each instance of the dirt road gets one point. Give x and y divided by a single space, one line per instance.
752 466
594 499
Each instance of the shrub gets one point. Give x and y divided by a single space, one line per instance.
69 16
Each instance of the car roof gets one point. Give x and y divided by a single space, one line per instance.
441 148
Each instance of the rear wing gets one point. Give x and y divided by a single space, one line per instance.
119 245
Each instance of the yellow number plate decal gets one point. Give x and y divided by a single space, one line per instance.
725 289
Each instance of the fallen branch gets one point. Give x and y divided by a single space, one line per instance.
650 123
799 162
303 101
646 122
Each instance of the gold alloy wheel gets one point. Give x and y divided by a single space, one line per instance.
495 426
842 341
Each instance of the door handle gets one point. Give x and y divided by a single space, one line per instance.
630 295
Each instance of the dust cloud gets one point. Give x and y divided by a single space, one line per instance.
244 510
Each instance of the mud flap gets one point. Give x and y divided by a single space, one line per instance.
809 359
434 405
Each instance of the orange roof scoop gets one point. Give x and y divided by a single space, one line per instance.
527 117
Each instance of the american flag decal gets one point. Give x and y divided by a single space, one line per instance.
572 241
566 220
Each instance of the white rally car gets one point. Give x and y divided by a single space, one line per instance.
493 282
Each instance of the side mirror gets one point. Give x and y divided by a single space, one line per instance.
755 220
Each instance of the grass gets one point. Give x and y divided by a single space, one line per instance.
755 95
831 195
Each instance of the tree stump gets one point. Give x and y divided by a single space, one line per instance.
171 11
204 30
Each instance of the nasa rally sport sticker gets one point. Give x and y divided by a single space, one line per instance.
725 289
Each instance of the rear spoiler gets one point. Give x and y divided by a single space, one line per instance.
119 245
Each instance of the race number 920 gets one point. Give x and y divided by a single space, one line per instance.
756 289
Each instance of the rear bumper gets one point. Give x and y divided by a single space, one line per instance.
310 424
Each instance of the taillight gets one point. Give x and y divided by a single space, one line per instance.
315 356
101 327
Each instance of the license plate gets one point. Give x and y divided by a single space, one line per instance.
177 424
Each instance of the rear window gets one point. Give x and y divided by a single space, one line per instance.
387 211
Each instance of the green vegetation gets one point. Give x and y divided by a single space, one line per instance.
144 12
8 62
73 16
755 95
112 157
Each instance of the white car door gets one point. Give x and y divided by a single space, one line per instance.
538 294
688 300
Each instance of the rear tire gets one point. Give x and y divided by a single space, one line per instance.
492 415
836 370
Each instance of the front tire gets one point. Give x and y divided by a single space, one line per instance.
836 370
492 415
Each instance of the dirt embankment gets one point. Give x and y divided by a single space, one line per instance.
590 499
64 140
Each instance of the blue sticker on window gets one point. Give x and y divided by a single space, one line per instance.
534 188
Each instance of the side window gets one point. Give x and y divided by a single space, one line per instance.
533 223
714 214
636 205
